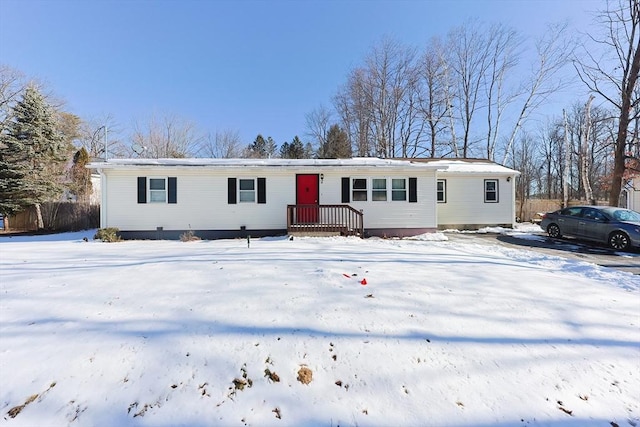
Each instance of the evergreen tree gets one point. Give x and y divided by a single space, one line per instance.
271 147
258 149
31 153
284 150
337 145
261 148
295 150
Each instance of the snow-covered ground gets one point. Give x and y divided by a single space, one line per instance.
414 332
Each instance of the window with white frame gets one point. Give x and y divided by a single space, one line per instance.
441 191
157 190
491 191
359 189
379 189
398 189
247 190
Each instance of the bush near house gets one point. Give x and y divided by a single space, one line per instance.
108 235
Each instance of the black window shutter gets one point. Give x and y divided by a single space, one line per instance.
172 196
345 190
231 191
142 189
262 190
413 190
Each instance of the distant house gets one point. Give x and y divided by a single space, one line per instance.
224 198
632 193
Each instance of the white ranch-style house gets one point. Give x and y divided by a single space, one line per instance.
226 198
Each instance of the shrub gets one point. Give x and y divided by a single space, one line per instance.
108 234
188 236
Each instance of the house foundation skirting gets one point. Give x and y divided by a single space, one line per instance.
471 226
161 234
397 232
202 234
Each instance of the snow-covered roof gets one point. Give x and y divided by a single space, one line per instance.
205 162
469 166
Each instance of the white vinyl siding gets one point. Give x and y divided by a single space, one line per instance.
393 214
465 202
203 199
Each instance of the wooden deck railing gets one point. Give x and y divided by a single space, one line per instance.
341 219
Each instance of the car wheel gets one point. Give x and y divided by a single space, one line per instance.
554 231
619 241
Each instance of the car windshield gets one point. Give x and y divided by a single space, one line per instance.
625 215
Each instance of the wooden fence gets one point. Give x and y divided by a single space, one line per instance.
529 210
57 216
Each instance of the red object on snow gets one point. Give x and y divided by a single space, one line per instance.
346 275
364 282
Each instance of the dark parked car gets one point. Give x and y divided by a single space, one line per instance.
617 227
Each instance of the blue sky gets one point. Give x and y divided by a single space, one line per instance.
251 66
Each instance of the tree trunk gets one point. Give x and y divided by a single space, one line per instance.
584 153
565 172
623 125
39 220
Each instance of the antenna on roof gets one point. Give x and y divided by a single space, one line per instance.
138 149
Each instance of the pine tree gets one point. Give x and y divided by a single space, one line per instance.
284 150
337 145
295 150
261 148
258 149
31 153
271 147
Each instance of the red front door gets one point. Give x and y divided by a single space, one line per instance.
307 194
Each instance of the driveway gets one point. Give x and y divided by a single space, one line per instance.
565 247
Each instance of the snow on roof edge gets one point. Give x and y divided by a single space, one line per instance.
447 166
205 162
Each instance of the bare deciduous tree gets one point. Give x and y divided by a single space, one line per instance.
468 50
552 51
388 80
318 122
614 75
354 108
525 159
503 57
98 135
584 153
224 144
434 94
377 96
168 137
12 84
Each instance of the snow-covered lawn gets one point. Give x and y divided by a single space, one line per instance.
167 333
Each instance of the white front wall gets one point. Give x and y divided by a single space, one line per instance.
465 202
202 198
389 214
